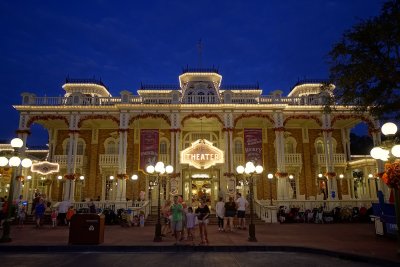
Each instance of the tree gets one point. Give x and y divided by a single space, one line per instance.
365 64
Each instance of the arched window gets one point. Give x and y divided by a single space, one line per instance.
111 146
238 147
163 147
319 146
290 145
80 149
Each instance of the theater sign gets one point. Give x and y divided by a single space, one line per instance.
202 155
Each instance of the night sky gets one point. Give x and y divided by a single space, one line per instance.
274 43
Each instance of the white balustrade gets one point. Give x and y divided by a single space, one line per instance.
62 159
108 159
293 159
338 159
161 99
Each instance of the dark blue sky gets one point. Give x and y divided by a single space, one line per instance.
125 43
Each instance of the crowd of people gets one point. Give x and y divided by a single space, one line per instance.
41 209
181 220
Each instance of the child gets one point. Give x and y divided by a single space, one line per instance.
70 212
21 215
190 224
54 215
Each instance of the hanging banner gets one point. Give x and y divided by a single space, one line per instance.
148 148
253 146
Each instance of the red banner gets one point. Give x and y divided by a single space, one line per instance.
148 148
253 146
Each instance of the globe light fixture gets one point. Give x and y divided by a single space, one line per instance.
17 143
3 161
134 177
389 128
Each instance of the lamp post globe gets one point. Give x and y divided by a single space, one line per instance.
389 128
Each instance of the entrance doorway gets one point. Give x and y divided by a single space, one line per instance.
201 189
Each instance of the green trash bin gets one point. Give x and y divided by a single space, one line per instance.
86 229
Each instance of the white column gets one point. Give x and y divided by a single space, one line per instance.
69 185
231 151
121 176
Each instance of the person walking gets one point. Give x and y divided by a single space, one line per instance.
54 215
70 213
39 212
202 213
230 212
166 214
242 204
190 224
176 222
220 212
62 212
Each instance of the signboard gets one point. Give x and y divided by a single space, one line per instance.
253 146
202 155
45 167
148 148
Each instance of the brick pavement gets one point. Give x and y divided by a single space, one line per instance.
348 239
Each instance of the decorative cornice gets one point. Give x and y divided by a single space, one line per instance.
303 117
228 129
99 117
263 116
199 116
122 176
150 116
46 118
23 132
279 129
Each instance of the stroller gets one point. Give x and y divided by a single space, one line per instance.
124 220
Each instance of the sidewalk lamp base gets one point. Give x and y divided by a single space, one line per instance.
252 233
157 236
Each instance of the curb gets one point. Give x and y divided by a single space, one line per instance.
211 249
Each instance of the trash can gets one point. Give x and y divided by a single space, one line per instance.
86 228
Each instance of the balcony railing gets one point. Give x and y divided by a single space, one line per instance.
338 159
108 159
146 99
62 159
293 159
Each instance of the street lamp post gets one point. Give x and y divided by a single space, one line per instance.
134 178
390 151
14 162
248 172
270 177
160 170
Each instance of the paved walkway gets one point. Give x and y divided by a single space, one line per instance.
358 240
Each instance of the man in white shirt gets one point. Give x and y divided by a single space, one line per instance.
241 204
62 211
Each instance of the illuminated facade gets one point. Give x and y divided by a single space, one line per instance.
107 139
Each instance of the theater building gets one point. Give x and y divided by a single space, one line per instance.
204 130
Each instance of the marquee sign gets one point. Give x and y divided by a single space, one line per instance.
202 155
45 167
